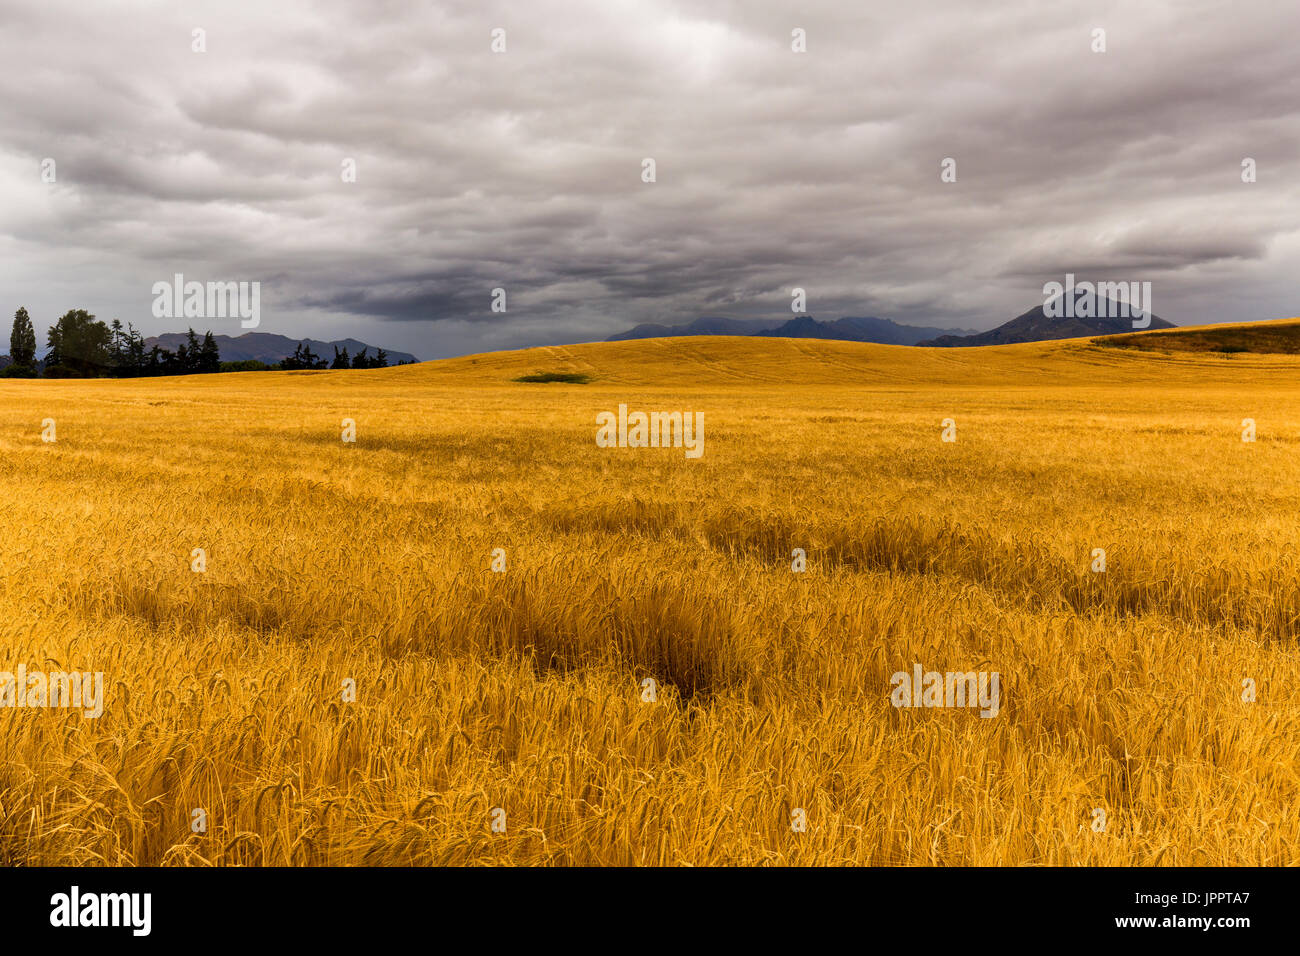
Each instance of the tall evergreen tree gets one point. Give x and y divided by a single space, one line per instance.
117 347
209 354
22 340
303 358
53 350
192 351
135 354
363 360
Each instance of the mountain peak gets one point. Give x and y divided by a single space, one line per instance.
849 329
1037 326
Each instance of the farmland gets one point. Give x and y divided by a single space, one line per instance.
643 678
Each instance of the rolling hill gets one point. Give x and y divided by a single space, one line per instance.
1279 337
724 361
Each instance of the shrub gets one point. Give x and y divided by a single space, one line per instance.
573 378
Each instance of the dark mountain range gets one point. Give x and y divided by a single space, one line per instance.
851 329
857 329
271 348
708 326
1037 326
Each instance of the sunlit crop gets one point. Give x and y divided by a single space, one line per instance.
648 681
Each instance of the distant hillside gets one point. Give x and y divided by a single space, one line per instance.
713 326
853 329
271 348
709 362
850 329
1279 337
1036 326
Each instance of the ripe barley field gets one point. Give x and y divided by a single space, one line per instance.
523 691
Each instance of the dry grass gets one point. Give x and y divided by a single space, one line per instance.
1260 337
522 690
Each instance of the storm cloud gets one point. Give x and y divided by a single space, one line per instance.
522 169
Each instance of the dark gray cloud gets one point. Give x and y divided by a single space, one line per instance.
522 170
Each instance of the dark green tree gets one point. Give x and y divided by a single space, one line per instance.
135 355
79 345
303 358
209 354
22 341
362 360
190 355
341 359
117 347
159 361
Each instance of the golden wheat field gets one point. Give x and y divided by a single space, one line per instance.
523 691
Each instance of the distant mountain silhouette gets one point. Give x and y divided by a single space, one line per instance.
1036 326
271 348
857 329
850 329
711 326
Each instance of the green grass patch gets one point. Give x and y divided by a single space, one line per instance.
573 378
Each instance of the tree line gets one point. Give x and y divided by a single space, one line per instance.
80 346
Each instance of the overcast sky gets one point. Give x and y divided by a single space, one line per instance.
523 169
